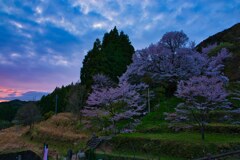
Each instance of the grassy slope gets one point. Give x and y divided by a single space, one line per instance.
59 132
156 139
187 137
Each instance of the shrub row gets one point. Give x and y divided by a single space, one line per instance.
169 147
117 157
210 128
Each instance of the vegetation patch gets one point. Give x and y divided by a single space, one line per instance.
187 145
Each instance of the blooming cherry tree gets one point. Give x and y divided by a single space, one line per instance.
201 95
121 102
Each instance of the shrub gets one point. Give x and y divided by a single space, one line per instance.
5 124
164 146
48 115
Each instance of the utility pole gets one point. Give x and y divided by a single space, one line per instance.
149 109
56 107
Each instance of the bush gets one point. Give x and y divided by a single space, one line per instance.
224 116
5 124
159 128
28 114
223 128
164 146
48 115
209 128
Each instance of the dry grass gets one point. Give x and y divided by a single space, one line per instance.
58 129
11 140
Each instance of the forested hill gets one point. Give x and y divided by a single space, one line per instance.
231 35
9 109
230 39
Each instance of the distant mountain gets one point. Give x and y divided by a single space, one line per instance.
28 96
230 39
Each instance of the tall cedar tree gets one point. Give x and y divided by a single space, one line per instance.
110 57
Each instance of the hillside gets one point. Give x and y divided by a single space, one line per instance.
60 132
8 112
9 109
230 39
231 35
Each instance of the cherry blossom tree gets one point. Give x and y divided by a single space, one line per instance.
121 102
161 64
102 81
174 40
201 95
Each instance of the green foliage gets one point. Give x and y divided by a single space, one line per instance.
9 109
76 99
48 102
153 128
229 35
229 39
156 117
232 88
110 57
28 114
187 145
218 116
131 155
222 128
99 124
222 45
5 124
48 115
60 146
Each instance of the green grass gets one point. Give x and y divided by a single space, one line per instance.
187 137
184 144
136 156
156 117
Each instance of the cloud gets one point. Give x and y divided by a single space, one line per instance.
7 94
28 96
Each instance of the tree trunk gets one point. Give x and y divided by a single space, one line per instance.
202 131
114 128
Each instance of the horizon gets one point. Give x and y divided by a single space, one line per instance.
43 43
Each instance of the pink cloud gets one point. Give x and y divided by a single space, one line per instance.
7 92
3 101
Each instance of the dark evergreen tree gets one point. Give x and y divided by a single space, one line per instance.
110 57
91 63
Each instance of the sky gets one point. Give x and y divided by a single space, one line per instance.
43 42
